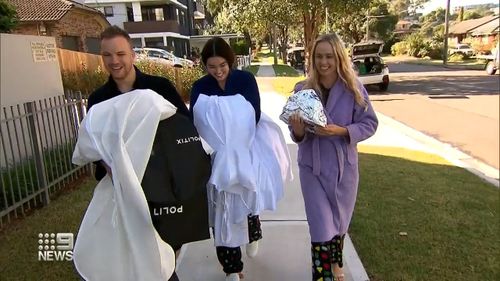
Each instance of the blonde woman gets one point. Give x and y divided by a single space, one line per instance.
328 157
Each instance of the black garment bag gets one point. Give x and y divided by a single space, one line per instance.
175 182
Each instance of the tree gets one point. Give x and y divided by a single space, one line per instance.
8 17
258 16
404 8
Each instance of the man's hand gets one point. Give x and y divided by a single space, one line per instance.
298 126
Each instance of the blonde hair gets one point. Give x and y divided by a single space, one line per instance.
343 65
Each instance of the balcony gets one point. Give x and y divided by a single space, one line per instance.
155 26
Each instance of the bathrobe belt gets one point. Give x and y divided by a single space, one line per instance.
316 157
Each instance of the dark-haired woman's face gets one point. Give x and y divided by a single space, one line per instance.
218 68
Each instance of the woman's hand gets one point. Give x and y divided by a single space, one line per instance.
298 126
330 130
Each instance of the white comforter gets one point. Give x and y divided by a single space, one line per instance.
249 164
117 240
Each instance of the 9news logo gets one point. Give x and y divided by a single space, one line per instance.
55 246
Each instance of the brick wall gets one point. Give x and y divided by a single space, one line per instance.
78 24
74 23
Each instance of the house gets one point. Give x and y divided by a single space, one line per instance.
460 30
486 33
166 24
74 25
403 25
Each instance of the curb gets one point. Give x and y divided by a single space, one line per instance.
447 151
355 266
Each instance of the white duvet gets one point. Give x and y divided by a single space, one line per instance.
117 240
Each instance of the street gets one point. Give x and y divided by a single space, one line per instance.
459 107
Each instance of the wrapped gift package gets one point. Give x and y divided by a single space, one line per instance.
308 104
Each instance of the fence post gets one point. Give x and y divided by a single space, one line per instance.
37 149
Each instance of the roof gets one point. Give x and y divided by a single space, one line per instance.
468 25
485 29
46 10
403 22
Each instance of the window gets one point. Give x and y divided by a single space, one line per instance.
159 14
70 43
130 14
182 18
152 14
108 11
93 45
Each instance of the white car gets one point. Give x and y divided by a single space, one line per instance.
368 64
162 56
462 48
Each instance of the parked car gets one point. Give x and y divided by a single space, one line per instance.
296 57
162 56
368 64
462 49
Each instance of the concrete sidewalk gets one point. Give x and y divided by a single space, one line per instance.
284 252
266 70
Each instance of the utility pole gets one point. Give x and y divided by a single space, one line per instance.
446 30
367 25
274 44
326 21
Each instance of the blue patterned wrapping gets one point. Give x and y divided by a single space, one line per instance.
309 106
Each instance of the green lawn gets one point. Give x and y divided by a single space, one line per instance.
284 70
19 242
285 85
450 217
252 68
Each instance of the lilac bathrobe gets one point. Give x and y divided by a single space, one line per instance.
328 166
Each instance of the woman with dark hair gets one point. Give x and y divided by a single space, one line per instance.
223 80
328 156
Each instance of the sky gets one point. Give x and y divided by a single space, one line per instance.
434 4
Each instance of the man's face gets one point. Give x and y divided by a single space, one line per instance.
118 57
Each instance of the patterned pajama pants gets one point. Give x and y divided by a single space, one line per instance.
324 254
230 258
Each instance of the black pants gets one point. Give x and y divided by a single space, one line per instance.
230 258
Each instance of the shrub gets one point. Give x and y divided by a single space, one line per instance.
457 57
240 47
388 44
84 80
399 48
88 81
432 49
415 43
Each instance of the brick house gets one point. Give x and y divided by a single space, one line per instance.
74 25
482 27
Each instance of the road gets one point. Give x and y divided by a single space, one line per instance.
459 107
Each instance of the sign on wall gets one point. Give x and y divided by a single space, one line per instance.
43 52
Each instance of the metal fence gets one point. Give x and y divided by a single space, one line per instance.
36 144
243 61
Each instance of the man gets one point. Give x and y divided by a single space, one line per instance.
118 57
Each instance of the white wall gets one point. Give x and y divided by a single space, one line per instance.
21 78
119 14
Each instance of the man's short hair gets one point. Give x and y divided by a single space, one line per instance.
114 31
